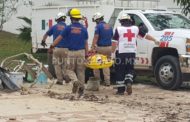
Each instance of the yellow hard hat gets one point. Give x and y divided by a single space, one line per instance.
98 61
75 13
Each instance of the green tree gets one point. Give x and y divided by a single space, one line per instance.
185 5
25 30
9 7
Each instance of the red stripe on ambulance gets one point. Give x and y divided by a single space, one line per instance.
164 44
147 61
142 60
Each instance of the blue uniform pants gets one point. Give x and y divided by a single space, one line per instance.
124 67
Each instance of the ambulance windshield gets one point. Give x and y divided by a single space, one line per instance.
167 21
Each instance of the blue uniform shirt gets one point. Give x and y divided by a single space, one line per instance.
76 36
105 33
55 31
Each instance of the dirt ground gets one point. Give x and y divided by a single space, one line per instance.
148 103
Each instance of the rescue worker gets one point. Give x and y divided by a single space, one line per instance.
60 51
126 36
76 35
102 43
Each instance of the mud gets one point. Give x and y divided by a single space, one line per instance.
148 103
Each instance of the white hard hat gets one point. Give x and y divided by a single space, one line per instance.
124 16
60 15
97 15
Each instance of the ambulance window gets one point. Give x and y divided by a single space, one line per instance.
138 21
161 21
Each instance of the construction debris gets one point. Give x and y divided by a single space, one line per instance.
72 97
6 71
6 81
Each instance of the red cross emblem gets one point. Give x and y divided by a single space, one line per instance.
129 35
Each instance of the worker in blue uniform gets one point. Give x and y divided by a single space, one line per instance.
76 36
60 51
102 43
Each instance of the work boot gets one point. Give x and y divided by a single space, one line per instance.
107 83
60 82
67 79
80 92
120 90
75 87
129 88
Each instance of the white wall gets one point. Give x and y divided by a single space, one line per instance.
15 23
170 5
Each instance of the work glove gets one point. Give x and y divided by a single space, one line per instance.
43 43
90 53
93 49
86 55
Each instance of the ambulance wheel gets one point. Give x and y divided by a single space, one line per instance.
167 72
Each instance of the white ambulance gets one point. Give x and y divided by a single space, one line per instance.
169 62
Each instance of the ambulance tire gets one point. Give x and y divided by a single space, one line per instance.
168 73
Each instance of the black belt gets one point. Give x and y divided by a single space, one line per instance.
75 49
60 47
104 45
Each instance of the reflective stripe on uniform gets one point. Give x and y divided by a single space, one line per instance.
120 82
129 77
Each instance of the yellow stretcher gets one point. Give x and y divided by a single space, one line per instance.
98 61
